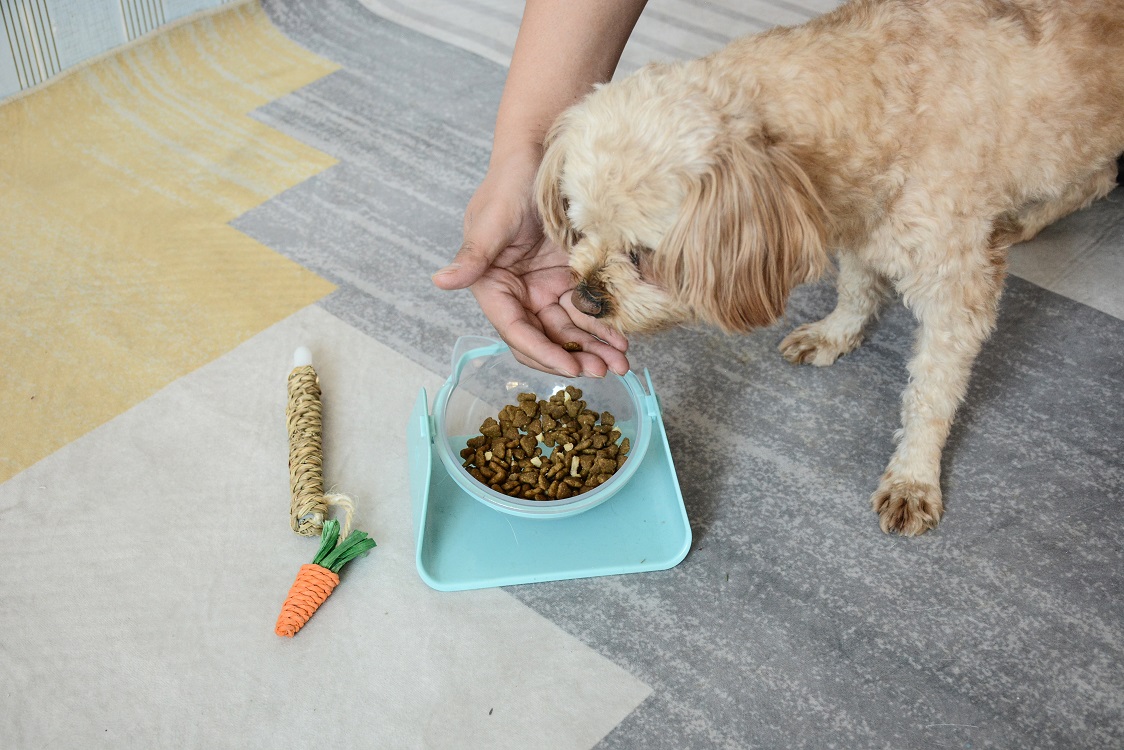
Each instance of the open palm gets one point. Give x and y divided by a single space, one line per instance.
522 282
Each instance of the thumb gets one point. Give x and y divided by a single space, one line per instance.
470 263
490 226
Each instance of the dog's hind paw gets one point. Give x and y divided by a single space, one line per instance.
907 508
809 345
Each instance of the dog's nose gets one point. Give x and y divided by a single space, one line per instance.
587 301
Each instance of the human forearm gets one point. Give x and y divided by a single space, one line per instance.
521 280
563 48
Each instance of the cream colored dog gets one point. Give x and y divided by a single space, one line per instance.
915 141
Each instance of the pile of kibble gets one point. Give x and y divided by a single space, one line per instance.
507 455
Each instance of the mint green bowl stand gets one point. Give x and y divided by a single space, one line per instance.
464 544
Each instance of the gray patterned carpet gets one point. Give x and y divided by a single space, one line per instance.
793 622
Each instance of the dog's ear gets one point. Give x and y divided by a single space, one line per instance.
750 230
548 188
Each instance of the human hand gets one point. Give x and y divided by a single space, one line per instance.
522 281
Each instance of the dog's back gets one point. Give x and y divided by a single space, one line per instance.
1028 95
916 139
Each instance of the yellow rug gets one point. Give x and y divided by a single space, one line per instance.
118 180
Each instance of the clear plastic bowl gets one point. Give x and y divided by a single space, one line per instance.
486 377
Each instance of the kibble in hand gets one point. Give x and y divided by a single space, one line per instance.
586 448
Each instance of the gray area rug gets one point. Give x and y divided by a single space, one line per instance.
794 622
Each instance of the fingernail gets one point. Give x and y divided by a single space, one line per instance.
448 269
590 375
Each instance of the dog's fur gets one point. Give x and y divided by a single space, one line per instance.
914 140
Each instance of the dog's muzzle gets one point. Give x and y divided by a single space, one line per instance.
588 301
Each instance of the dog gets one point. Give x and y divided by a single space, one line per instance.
902 145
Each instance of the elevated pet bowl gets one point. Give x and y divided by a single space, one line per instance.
486 377
469 536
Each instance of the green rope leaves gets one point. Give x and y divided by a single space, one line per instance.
334 557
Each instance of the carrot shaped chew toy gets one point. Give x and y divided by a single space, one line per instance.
309 505
316 580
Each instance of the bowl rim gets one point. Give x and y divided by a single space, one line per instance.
540 508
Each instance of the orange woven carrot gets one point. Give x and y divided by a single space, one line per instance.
316 580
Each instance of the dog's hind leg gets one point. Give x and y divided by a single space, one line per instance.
956 303
1031 219
861 292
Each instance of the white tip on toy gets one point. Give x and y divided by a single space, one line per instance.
302 357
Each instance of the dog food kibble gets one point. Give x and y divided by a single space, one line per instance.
572 346
507 455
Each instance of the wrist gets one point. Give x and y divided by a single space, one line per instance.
518 146
516 154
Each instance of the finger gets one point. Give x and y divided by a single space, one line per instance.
484 239
606 358
608 355
610 345
550 301
610 336
523 333
596 356
591 365
541 352
524 359
470 263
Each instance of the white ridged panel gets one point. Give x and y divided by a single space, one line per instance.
30 40
141 16
40 38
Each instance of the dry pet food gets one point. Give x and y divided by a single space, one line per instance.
585 448
572 346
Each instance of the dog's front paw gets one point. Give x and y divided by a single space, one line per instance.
906 507
809 345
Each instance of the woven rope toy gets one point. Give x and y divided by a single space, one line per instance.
308 506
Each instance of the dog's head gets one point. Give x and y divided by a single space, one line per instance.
677 206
